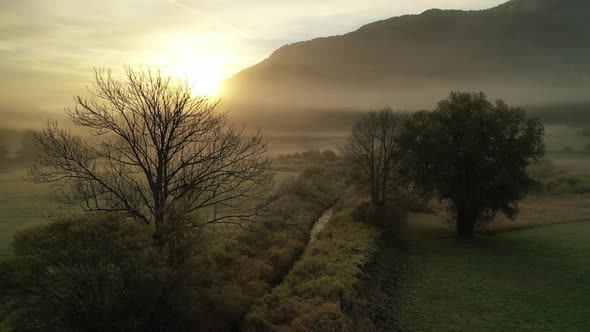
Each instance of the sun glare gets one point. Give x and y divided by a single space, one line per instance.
204 75
195 61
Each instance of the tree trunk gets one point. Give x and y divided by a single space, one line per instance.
382 195
159 229
376 198
465 223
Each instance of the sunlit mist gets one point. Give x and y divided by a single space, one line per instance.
192 59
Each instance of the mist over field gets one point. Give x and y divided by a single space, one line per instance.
185 165
531 53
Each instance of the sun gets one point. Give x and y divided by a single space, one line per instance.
205 75
194 59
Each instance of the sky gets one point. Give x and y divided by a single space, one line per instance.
48 48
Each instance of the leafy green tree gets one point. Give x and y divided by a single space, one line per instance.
473 154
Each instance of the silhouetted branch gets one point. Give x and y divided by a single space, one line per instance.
156 149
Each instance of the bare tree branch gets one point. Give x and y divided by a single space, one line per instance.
157 151
371 146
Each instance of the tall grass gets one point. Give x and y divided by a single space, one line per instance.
321 287
240 271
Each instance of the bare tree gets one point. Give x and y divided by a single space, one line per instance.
371 146
157 152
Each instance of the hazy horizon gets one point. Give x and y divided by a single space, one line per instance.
48 57
276 165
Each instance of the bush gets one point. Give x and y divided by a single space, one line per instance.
544 170
312 155
323 317
329 155
103 274
83 275
549 179
366 212
384 216
408 200
568 185
314 171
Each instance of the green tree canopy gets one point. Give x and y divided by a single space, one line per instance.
473 154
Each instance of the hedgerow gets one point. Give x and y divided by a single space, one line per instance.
317 291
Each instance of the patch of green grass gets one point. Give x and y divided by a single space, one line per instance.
22 204
426 278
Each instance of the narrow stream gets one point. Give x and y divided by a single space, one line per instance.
321 223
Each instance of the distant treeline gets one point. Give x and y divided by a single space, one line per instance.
17 146
314 120
572 114
296 120
312 155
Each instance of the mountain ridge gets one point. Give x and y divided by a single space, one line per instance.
527 51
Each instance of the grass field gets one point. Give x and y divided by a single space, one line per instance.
573 163
22 204
558 137
543 210
425 278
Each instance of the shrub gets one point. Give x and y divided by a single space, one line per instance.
544 170
409 201
568 149
329 155
365 212
385 216
314 171
323 317
568 185
89 275
312 155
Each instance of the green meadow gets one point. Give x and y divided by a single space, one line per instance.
426 279
22 204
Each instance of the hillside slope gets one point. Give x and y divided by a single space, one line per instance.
526 51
